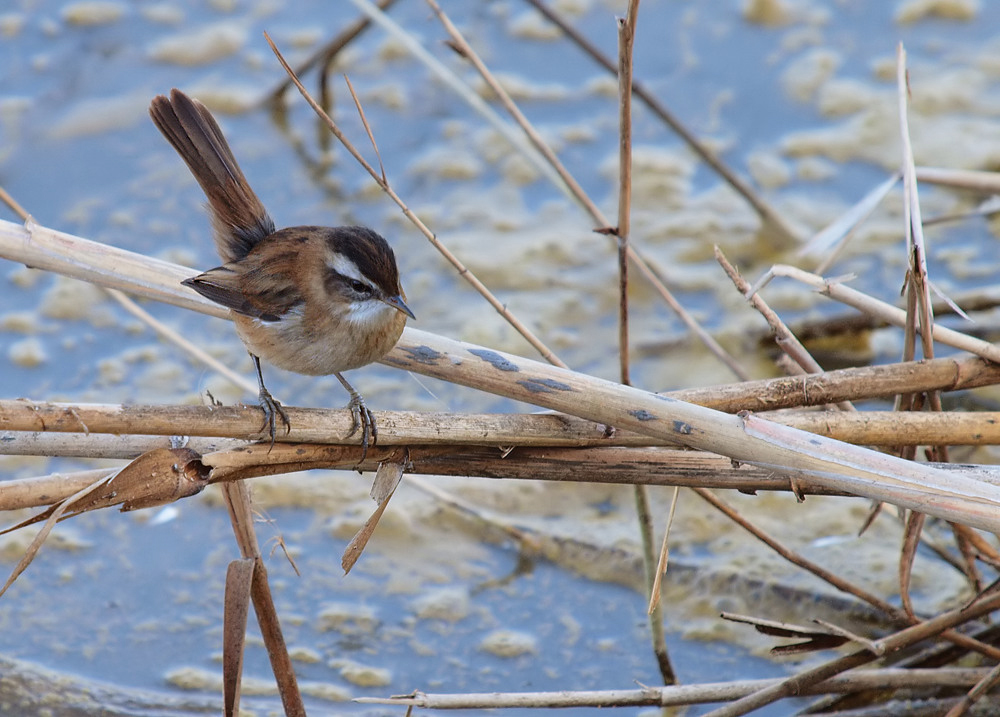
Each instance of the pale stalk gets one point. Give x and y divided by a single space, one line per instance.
751 440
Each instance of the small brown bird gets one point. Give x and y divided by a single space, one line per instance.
313 300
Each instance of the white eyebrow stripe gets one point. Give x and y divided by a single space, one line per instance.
345 267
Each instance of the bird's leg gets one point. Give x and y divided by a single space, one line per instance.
363 418
269 405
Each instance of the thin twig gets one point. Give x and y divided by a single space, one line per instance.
661 565
783 336
898 616
807 678
976 180
658 636
918 302
324 55
463 271
601 223
859 680
783 236
164 331
919 311
834 236
838 291
368 128
987 683
626 39
168 334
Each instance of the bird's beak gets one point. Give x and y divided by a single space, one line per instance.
397 302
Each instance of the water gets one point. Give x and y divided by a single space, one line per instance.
130 601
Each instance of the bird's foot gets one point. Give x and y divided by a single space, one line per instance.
272 410
364 419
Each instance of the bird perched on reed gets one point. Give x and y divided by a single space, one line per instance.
310 299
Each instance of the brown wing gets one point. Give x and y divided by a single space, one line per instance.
245 293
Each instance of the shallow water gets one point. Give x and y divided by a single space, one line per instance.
806 107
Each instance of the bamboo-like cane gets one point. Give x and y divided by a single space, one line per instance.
506 430
743 438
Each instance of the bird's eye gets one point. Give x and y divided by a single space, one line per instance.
360 287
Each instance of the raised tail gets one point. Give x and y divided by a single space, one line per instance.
239 220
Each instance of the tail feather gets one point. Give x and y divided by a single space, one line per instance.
239 219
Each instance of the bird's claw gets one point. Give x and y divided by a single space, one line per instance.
364 419
272 409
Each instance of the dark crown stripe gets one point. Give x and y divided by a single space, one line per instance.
370 253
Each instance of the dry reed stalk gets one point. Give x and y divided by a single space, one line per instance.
616 465
239 578
745 439
851 384
239 503
900 617
773 223
917 283
699 693
624 466
663 563
79 258
960 303
576 192
910 636
834 237
325 54
455 430
626 41
979 690
836 290
316 425
383 184
975 180
886 428
918 313
652 566
100 446
783 336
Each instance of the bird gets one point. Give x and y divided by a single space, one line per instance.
313 300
